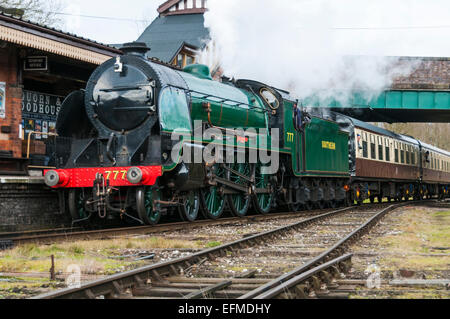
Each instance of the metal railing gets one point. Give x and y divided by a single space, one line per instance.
29 147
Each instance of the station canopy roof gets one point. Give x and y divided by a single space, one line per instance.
47 39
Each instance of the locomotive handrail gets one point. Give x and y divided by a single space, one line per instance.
36 133
222 99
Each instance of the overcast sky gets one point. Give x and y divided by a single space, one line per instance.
422 27
128 18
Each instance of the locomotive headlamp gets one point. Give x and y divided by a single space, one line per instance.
54 179
135 175
118 66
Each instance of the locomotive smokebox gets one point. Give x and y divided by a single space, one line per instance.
135 48
121 93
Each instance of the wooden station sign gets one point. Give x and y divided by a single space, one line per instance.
35 63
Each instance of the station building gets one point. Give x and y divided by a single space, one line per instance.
39 67
178 33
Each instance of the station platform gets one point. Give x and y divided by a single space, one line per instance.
26 203
34 180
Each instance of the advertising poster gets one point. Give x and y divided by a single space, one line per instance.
52 127
22 129
29 126
44 129
40 111
2 100
38 128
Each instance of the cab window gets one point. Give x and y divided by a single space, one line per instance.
270 98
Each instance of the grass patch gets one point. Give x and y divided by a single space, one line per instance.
445 214
213 244
91 256
419 232
76 250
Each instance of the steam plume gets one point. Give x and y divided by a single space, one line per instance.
296 45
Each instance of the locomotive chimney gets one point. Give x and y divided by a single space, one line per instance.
135 48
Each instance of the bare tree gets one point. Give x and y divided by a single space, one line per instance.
44 12
434 134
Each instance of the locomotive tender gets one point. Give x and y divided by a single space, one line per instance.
114 153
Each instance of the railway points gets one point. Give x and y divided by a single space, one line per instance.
160 275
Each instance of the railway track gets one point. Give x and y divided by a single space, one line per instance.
292 267
8 240
345 288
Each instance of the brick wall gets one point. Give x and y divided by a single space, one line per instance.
8 74
28 207
429 74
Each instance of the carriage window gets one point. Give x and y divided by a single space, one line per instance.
408 158
402 156
365 150
373 150
388 150
396 153
413 157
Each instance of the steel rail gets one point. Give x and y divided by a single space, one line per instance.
293 283
49 236
29 233
116 284
62 234
333 252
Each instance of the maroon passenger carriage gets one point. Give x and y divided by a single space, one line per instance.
395 166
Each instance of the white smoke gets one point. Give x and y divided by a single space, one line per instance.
297 45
